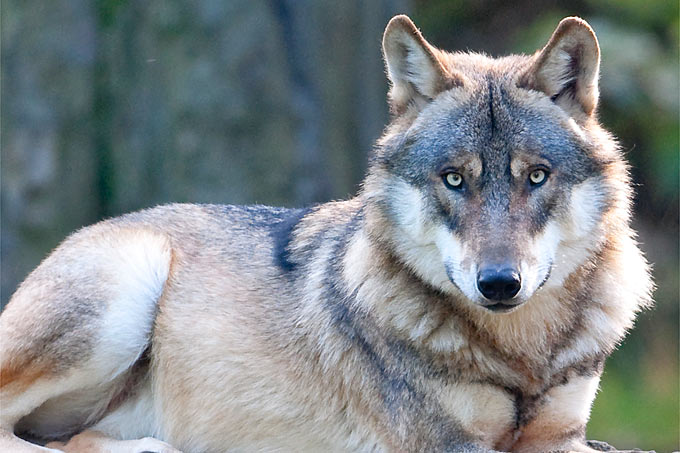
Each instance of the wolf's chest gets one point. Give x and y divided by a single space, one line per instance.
485 412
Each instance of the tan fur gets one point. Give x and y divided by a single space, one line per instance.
486 412
564 411
216 328
17 377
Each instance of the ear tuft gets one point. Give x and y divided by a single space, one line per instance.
413 67
567 68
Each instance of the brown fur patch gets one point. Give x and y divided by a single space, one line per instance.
15 378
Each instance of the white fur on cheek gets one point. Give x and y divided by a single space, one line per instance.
426 247
545 248
453 252
409 211
578 236
567 243
587 200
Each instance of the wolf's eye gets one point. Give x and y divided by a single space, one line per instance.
538 177
453 180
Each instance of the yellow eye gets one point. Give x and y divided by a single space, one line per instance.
537 177
453 180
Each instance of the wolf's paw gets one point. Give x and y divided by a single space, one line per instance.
604 446
600 446
96 442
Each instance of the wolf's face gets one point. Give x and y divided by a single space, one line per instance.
493 183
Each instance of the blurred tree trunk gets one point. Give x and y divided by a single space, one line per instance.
48 167
113 106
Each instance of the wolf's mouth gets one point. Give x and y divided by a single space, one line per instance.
501 308
547 276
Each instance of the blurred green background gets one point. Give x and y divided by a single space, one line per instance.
111 106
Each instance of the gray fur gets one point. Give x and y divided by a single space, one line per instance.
333 314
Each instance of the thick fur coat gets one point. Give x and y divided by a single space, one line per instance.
465 300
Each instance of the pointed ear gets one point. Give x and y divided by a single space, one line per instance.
413 67
567 68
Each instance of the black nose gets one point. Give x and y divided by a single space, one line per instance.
499 284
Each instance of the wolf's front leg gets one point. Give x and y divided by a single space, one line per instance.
590 446
561 417
559 425
96 442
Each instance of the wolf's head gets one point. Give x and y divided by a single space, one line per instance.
494 179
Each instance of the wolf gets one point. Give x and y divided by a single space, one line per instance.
464 301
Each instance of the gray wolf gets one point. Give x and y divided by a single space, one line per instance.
464 301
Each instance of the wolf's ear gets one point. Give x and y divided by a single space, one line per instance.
568 67
413 66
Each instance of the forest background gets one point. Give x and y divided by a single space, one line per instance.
116 105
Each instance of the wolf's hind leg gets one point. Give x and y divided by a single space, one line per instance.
97 442
76 326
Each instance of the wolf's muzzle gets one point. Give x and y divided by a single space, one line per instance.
499 285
